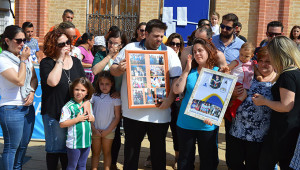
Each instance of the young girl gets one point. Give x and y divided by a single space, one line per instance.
107 115
214 19
243 68
79 126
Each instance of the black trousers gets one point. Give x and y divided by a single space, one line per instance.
134 135
174 116
116 145
207 149
227 129
240 151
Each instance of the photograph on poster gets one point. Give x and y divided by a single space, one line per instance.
137 58
156 70
147 80
156 59
139 82
157 82
211 96
138 70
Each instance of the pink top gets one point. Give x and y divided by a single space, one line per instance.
87 55
244 72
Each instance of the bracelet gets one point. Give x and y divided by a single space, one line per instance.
59 61
23 61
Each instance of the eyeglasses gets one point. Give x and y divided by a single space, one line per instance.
175 44
61 45
272 34
228 28
114 44
20 40
141 30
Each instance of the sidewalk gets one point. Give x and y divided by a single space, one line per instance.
36 151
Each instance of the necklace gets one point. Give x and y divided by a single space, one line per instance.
68 77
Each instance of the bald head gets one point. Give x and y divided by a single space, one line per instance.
204 33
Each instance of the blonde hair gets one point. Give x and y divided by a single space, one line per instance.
248 46
284 54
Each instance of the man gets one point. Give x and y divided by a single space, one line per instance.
274 29
204 33
238 31
31 42
227 42
68 16
151 121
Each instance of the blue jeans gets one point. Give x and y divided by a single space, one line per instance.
17 124
77 158
54 135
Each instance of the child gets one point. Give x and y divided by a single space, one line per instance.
78 123
31 42
244 69
107 114
214 19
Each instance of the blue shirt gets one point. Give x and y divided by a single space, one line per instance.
34 47
185 121
232 51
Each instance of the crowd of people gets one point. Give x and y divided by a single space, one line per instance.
84 96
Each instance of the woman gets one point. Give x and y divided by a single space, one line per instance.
139 34
57 72
295 35
85 43
252 122
103 61
190 129
18 84
176 42
280 142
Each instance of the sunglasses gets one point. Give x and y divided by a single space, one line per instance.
20 40
61 45
142 30
228 28
272 34
175 44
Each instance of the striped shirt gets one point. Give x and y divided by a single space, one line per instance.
79 134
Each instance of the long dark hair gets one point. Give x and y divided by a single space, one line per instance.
210 49
173 36
118 34
291 34
10 32
106 75
86 83
138 27
84 38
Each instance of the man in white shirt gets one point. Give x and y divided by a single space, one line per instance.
151 121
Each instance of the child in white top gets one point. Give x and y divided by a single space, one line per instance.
244 69
79 126
107 116
214 19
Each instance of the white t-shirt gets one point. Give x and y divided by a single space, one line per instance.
216 29
9 92
103 108
153 115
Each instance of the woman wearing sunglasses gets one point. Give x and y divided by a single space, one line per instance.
57 72
18 84
175 41
139 32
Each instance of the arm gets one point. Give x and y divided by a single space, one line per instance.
115 121
100 65
221 60
233 64
184 56
86 65
286 103
118 69
18 78
34 85
70 122
55 74
179 84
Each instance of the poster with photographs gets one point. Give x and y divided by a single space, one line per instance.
147 78
211 95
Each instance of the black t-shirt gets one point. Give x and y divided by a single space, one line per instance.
54 98
285 122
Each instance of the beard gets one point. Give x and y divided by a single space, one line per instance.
226 36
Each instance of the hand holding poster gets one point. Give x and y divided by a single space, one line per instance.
211 96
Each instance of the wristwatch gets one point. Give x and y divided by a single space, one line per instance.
23 61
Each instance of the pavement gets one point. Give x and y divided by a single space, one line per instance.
36 150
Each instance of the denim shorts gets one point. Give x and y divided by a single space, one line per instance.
55 136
